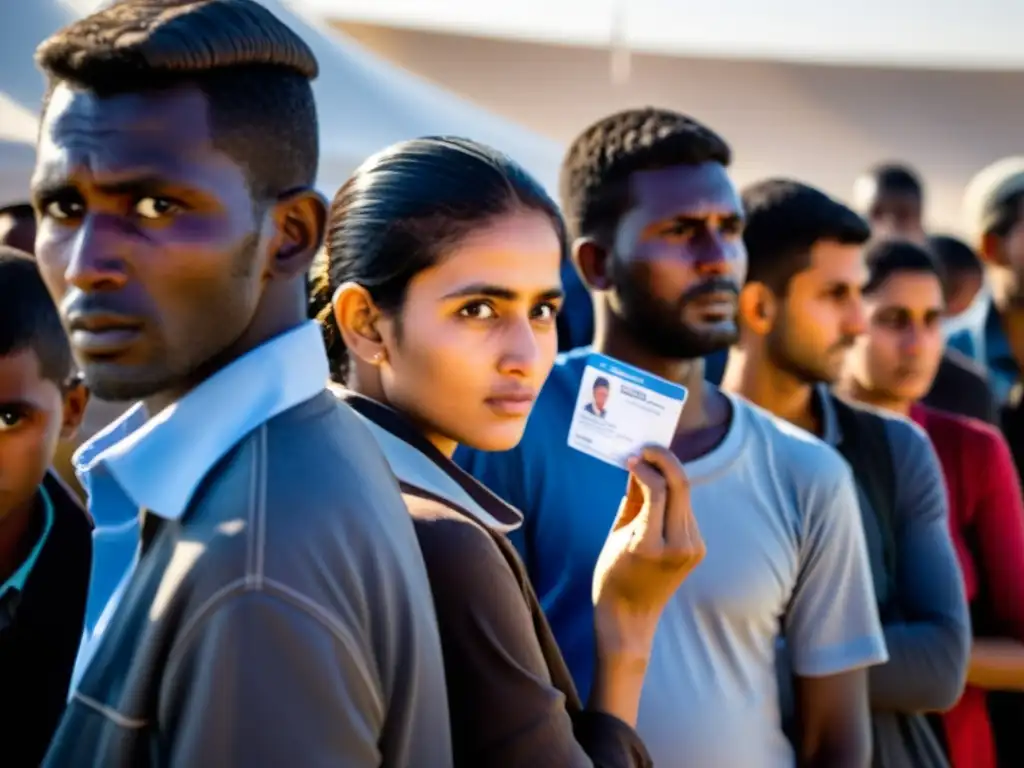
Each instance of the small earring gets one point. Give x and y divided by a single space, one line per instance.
377 357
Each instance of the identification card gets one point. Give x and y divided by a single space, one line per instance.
620 409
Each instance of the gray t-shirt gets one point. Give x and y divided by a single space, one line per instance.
785 556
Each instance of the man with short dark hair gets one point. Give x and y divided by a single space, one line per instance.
657 227
260 598
18 227
891 197
45 534
961 384
964 276
800 311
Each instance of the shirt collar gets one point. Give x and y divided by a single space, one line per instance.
19 577
419 465
193 434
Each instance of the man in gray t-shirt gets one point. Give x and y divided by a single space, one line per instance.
657 223
801 310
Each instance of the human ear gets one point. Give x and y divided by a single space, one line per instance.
591 261
991 251
75 400
299 221
359 321
757 308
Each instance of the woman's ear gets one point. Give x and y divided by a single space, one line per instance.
358 319
757 307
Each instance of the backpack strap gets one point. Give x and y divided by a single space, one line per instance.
865 446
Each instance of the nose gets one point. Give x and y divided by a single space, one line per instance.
712 258
912 341
92 265
856 319
520 349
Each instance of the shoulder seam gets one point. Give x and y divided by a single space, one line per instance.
285 594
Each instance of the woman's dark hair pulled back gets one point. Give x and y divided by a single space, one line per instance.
402 210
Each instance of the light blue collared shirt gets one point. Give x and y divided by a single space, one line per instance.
157 464
985 341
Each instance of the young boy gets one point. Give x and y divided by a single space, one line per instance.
45 534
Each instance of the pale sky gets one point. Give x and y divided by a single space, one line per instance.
935 33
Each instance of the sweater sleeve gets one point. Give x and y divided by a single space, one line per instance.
930 646
998 522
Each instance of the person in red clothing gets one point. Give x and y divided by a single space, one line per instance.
891 367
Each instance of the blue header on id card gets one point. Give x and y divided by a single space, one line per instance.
637 376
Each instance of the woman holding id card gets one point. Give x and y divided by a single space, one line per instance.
438 295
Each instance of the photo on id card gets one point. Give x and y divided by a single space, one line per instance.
619 409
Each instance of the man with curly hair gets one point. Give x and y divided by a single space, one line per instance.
657 226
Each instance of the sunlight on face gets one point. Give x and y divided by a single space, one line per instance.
823 313
899 355
476 336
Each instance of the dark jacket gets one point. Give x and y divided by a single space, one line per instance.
284 620
40 629
961 387
511 697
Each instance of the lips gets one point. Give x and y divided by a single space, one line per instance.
716 297
512 404
103 334
715 307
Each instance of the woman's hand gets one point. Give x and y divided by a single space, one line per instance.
653 546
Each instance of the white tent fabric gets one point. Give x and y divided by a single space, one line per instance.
364 103
21 88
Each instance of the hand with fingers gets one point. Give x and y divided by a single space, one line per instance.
653 546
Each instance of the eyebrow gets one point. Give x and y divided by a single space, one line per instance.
134 187
690 219
500 292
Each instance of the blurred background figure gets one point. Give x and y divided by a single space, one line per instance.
963 274
891 197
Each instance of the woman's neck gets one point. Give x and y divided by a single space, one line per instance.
370 387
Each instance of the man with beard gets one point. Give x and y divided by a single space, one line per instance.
259 597
799 313
657 227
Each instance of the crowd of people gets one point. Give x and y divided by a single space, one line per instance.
341 523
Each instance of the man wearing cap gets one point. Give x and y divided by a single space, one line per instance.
994 207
